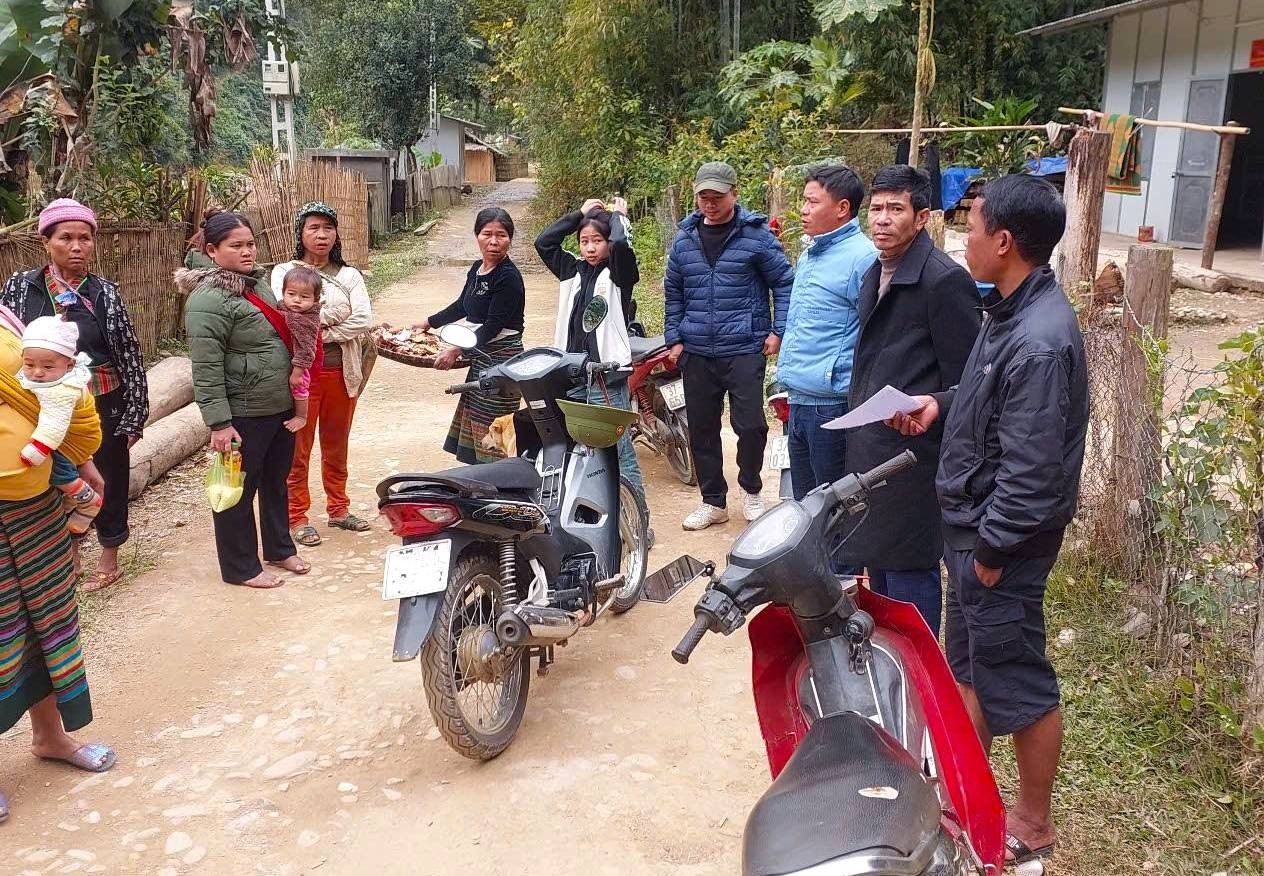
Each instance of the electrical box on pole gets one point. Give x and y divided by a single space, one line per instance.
281 84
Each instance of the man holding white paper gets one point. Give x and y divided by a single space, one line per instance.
919 315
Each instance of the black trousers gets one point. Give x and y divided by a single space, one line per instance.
113 459
267 450
706 382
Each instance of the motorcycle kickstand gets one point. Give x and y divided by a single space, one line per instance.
545 655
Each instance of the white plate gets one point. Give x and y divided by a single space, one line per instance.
779 453
674 394
416 569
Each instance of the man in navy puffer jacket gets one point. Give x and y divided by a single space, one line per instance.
722 268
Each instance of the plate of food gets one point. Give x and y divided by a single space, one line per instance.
410 346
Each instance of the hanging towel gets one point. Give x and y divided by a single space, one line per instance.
1123 171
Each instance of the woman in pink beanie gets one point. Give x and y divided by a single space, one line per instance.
66 287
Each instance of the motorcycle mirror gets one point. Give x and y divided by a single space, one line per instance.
458 336
594 314
664 585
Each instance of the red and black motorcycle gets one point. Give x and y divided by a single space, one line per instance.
877 767
658 397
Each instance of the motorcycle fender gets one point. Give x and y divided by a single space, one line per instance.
417 613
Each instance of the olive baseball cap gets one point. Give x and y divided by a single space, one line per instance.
716 176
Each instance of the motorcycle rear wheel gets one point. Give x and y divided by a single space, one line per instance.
477 703
678 452
634 547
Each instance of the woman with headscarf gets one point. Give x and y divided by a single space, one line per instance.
41 662
239 344
346 317
65 287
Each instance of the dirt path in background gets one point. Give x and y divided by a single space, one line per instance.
270 732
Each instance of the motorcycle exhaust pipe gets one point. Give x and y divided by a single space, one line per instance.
535 625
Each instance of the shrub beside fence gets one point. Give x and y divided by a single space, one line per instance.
139 258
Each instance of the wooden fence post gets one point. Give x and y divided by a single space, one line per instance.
1138 405
1224 164
1084 193
777 194
935 228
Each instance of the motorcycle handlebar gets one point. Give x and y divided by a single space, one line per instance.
458 388
699 629
893 466
603 367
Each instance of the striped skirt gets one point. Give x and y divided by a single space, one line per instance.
39 618
476 410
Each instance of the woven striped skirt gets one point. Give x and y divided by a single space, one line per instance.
476 410
39 618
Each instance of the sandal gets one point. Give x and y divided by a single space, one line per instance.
301 568
95 757
102 580
307 536
4 808
349 522
1018 852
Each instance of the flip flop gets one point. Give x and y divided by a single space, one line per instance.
4 809
307 536
102 580
1022 853
95 757
349 522
301 570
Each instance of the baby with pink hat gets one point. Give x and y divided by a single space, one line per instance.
54 370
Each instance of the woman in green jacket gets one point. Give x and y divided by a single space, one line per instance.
241 382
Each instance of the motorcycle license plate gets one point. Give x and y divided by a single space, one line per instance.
416 569
674 394
779 453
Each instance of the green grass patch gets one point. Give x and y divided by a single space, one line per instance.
1154 778
401 256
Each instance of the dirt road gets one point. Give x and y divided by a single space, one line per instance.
270 732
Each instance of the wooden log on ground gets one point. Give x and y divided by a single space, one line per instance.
935 227
166 444
1084 193
170 387
1138 448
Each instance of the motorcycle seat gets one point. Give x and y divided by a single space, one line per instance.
848 789
642 347
482 481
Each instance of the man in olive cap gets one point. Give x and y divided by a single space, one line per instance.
722 269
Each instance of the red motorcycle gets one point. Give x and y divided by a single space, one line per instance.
658 398
877 768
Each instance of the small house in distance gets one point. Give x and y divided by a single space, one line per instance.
450 141
1198 61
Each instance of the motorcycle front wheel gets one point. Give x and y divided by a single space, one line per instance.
477 693
634 547
679 454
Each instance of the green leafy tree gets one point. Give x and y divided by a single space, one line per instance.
806 76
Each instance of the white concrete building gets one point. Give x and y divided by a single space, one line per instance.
1196 61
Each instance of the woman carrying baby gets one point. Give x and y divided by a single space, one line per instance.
345 319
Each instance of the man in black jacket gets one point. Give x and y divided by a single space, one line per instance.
1009 477
919 315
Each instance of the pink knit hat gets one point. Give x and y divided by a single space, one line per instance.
52 333
65 210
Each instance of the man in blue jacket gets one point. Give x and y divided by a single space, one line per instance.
721 269
816 357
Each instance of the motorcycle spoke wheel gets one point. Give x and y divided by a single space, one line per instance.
477 692
679 454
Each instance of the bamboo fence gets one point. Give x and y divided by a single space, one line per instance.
279 192
139 258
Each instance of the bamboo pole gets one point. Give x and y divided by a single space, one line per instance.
1153 123
944 129
923 48
1224 163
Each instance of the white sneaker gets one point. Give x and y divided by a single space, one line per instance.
752 505
704 517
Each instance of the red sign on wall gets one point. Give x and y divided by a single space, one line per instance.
1257 54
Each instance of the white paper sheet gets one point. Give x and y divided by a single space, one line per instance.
882 405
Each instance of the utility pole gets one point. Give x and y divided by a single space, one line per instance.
280 83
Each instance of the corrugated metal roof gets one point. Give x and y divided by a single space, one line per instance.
1084 19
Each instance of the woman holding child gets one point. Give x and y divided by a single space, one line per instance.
65 288
345 319
242 374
